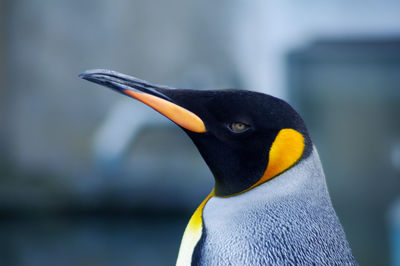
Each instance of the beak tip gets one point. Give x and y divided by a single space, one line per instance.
82 75
92 72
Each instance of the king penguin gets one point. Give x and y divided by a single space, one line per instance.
270 204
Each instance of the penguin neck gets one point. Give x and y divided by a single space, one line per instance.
304 180
305 177
288 148
278 216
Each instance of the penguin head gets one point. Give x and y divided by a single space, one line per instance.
246 138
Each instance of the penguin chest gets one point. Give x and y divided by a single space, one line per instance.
282 231
192 235
233 235
288 220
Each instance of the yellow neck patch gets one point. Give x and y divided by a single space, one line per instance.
285 151
192 234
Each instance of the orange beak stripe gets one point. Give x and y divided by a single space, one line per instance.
176 113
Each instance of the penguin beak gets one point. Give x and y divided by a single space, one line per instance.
152 95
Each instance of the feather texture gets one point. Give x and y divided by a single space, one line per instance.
286 221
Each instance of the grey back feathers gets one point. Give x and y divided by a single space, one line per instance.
288 220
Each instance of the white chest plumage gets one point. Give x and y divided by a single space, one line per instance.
192 235
240 230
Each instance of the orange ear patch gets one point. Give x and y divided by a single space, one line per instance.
285 151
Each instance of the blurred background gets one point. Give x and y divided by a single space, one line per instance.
89 177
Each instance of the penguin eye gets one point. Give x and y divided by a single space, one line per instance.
238 127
